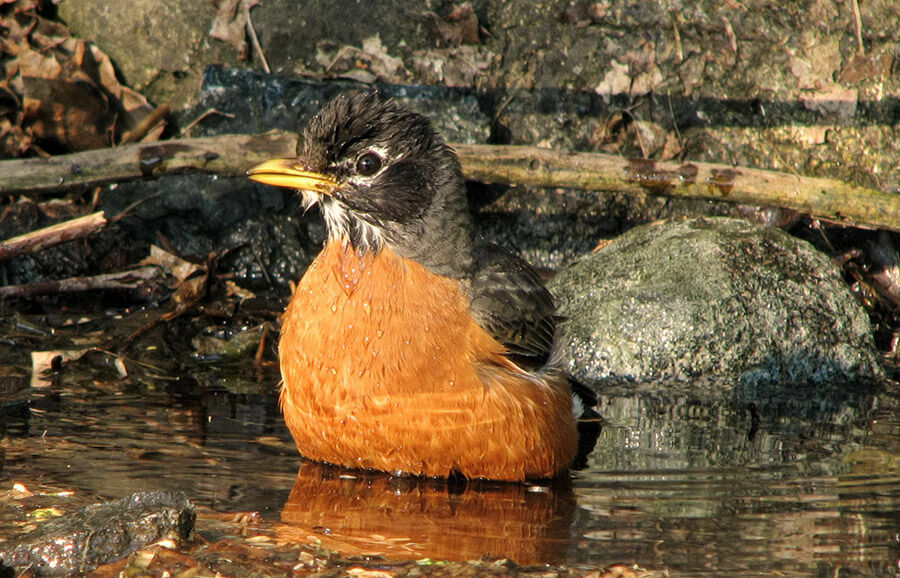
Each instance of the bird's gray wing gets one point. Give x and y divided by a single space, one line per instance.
509 301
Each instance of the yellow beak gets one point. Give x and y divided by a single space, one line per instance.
287 173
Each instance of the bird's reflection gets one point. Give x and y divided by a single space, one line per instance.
362 513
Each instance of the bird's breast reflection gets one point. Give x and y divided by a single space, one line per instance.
375 514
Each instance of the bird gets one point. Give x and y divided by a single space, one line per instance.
410 345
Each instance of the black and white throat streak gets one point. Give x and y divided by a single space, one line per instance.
347 226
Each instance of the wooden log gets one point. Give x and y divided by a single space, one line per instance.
227 155
829 199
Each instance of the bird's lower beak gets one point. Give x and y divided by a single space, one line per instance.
287 173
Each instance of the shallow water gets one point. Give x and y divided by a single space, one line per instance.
806 484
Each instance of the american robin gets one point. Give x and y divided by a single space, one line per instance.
410 345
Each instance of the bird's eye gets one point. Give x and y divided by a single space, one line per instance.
368 164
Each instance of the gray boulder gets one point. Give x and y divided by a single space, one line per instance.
711 300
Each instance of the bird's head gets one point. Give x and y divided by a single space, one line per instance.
382 175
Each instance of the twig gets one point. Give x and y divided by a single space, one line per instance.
262 266
206 113
857 22
340 54
674 118
125 212
261 347
141 129
52 235
254 41
133 280
679 48
503 106
729 34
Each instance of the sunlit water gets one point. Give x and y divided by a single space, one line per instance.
747 487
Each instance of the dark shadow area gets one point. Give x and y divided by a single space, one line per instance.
261 102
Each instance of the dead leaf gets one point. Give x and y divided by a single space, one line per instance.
650 137
74 114
232 289
460 66
171 264
809 135
457 28
14 142
369 63
385 67
189 280
42 362
58 91
366 573
671 148
359 75
230 23
871 67
646 82
616 81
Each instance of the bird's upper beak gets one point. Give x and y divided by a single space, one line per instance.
289 173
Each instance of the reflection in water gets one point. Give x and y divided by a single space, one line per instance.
360 513
808 483
739 521
798 483
670 431
115 437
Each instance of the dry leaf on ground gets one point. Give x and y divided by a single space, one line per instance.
58 93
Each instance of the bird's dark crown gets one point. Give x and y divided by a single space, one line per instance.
399 184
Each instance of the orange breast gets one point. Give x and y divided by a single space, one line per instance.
384 368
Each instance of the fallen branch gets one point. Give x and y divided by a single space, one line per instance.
226 155
828 199
142 281
40 239
514 165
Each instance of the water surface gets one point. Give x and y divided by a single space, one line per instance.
803 483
